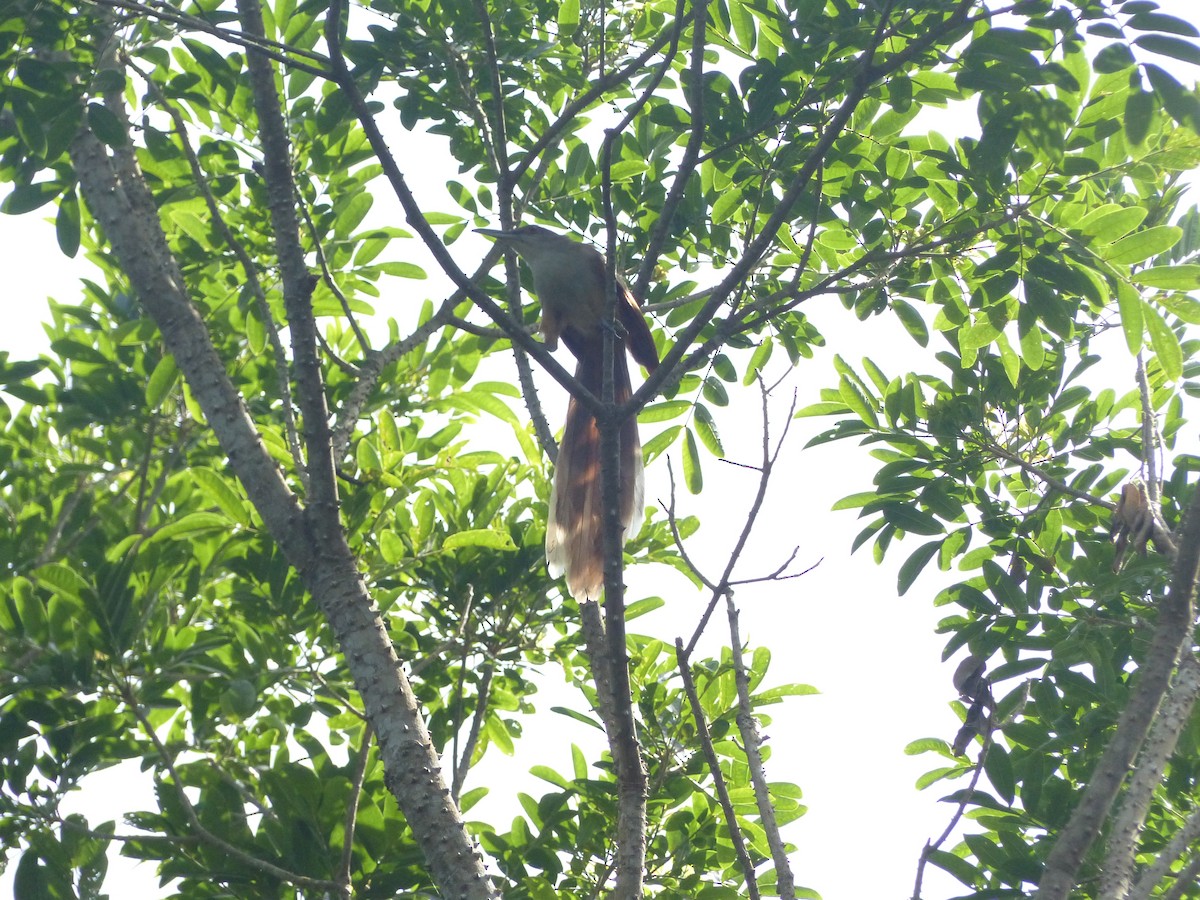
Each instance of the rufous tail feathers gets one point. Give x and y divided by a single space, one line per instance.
574 529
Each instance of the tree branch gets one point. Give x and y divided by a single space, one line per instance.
785 882
1171 634
714 768
321 511
281 53
193 820
1147 775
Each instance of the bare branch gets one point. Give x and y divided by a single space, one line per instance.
413 216
769 458
959 810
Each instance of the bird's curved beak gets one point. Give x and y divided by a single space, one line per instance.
497 233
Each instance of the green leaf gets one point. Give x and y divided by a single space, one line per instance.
724 368
1180 104
577 716
775 694
37 881
400 269
913 321
1142 245
726 204
479 537
161 380
829 408
1165 45
28 197
1165 343
692 476
62 578
743 24
30 609
927 745
66 224
914 564
219 490
998 766
29 123
1008 359
497 732
664 411
548 774
714 392
391 547
191 225
192 523
641 607
1131 305
758 359
660 442
908 518
1114 224
1182 277
1145 20
856 501
350 214
1003 587
1033 348
106 125
854 399
1183 306
707 429
1114 58
1139 110
959 868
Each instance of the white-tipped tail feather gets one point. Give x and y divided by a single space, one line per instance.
578 551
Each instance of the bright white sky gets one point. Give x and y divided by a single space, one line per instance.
873 655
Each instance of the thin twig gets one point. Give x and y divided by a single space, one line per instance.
868 72
752 746
769 458
249 269
193 820
673 521
714 768
281 53
351 818
959 810
691 153
1150 444
1046 478
1179 844
327 276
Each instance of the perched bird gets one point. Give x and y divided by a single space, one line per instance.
569 280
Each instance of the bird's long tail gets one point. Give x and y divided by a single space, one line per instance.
575 526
